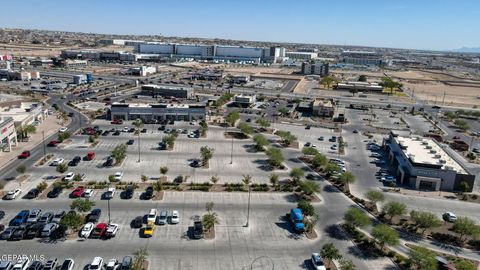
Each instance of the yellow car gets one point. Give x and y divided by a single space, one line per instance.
149 229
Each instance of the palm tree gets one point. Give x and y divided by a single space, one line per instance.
140 256
206 153
247 179
214 179
25 130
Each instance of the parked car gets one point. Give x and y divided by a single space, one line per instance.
112 230
57 161
13 194
36 265
110 193
34 216
19 233
99 230
32 193
53 143
67 264
118 176
128 193
54 192
108 162
51 264
97 264
46 218
20 218
112 265
94 216
127 263
162 218
69 177
34 231
24 154
21 264
449 216
174 217
78 192
130 142
74 162
148 193
63 129
149 229
137 222
6 265
57 217
198 229
87 230
7 233
88 193
48 229
90 156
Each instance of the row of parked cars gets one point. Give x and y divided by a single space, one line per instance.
29 224
68 264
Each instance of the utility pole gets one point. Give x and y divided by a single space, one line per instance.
443 101
248 206
231 152
108 203
44 149
138 132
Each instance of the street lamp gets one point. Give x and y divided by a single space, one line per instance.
138 133
108 203
44 149
248 206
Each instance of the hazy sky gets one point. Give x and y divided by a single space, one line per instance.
420 24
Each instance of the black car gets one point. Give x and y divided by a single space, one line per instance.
161 128
108 162
54 192
148 193
308 127
128 193
94 216
75 161
143 130
137 222
116 133
105 133
195 163
70 114
32 194
34 231
171 122
197 229
131 130
162 146
18 234
36 265
130 142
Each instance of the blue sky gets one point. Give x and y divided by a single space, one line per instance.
419 24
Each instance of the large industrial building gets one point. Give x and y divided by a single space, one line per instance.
212 52
421 163
363 58
147 112
166 91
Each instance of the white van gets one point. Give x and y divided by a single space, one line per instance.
152 216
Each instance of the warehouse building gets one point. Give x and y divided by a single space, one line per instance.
166 91
147 112
421 163
359 86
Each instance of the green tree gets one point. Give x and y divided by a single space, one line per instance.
330 253
232 118
209 220
157 186
119 152
64 136
42 186
464 265
203 128
274 179
23 131
246 179
169 140
61 168
206 153
286 136
389 83
21 169
393 209
283 111
73 221
346 178
275 157
306 207
375 196
310 151
264 123
331 168
163 170
310 222
139 258
214 179
319 160
82 205
346 265
461 124
423 258
425 220
463 187
260 142
385 235
297 174
245 128
355 217
309 187
450 115
465 226
138 123
362 78
327 81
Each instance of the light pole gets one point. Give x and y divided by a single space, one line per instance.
44 149
231 152
108 203
138 132
248 206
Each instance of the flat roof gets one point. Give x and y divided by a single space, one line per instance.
427 151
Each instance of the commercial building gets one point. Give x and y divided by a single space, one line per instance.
245 100
240 79
75 63
8 133
301 55
323 108
146 112
22 75
421 163
315 68
359 86
142 70
167 91
120 42
41 62
364 58
26 113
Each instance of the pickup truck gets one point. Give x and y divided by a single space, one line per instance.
296 218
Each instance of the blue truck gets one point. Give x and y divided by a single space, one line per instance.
296 217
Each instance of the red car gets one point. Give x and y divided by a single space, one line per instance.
24 154
78 192
90 155
53 143
99 230
117 121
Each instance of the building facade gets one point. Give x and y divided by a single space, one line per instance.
421 163
8 134
363 58
146 112
166 91
244 100
309 68
323 108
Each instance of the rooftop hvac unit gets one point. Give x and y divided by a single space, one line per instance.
442 161
437 156
428 147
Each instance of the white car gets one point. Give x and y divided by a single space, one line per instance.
118 176
87 230
96 264
449 216
69 176
12 194
126 129
67 264
174 218
63 129
88 193
112 230
317 262
110 192
57 161
21 264
152 216
112 265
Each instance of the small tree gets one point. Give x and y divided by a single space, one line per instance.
245 128
73 221
119 152
355 217
311 221
362 78
214 179
260 142
326 81
319 160
331 168
206 153
139 258
263 123
209 206
169 140
330 253
246 179
275 157
274 179
385 235
61 168
306 207
425 220
309 151
347 265
346 178
423 258
163 170
64 136
21 169
209 220
157 186
465 226
203 128
297 174
286 136
393 209
42 186
82 205
309 187
232 118
375 196
138 123
463 187
143 178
